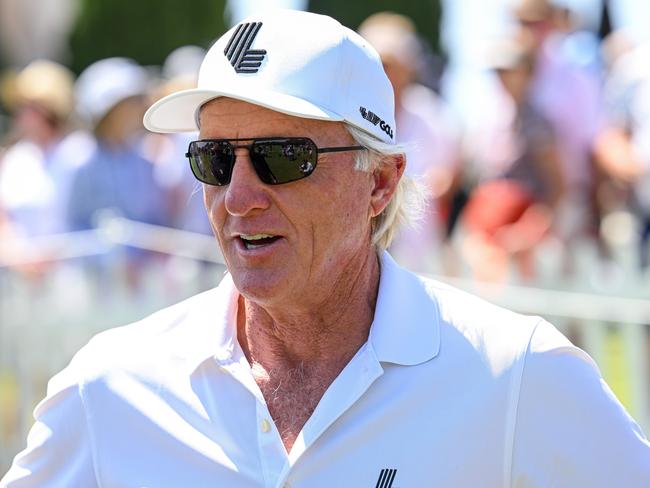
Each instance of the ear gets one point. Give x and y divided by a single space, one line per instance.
386 177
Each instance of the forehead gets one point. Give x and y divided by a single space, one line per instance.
227 118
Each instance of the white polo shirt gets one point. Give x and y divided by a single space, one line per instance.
448 391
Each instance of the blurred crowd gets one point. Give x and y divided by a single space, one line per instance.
563 159
76 150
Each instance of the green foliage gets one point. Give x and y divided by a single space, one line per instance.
425 13
145 30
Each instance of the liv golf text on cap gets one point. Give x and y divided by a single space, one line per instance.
298 63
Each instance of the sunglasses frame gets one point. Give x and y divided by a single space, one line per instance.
253 142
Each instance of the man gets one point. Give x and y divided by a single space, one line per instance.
36 170
318 362
111 97
566 89
622 146
512 208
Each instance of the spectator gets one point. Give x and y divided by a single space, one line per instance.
511 210
566 90
117 177
111 96
37 169
623 147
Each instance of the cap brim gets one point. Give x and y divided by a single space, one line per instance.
178 112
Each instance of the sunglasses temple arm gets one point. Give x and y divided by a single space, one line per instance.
340 149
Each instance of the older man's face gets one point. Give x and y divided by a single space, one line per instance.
320 224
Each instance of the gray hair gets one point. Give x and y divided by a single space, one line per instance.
409 200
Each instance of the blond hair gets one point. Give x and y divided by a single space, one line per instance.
409 200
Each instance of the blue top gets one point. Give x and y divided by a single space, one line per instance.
119 179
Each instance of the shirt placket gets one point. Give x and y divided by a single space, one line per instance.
272 453
347 388
273 456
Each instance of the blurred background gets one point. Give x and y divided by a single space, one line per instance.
528 121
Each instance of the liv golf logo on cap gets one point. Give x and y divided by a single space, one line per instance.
239 52
376 119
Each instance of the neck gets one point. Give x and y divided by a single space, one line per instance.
326 335
45 138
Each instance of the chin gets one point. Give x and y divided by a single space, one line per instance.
260 286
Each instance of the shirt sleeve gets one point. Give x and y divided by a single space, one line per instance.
570 428
58 451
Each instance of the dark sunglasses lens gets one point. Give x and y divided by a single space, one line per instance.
284 160
211 162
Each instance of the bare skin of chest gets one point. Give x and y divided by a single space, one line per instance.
291 397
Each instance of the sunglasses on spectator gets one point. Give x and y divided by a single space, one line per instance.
276 160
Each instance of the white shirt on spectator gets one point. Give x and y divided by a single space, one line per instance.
35 183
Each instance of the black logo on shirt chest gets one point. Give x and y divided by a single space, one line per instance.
386 478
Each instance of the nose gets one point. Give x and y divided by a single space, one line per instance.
246 192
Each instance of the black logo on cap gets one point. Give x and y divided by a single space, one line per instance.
375 119
238 51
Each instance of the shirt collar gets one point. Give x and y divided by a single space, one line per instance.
212 325
405 329
406 326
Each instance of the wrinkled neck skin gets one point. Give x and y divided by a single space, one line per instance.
319 339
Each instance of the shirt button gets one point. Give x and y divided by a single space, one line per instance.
265 425
286 485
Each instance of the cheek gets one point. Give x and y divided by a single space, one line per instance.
347 218
208 196
213 202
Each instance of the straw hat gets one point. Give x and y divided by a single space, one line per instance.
48 85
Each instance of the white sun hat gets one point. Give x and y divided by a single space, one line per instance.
294 62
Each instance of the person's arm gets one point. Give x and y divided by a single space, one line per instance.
616 155
570 429
551 170
545 147
58 452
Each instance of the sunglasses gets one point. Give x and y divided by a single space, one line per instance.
276 160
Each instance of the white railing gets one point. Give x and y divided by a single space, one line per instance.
45 319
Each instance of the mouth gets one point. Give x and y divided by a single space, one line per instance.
255 241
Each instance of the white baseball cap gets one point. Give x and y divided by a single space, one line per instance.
294 62
105 83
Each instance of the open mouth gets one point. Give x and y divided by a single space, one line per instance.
255 241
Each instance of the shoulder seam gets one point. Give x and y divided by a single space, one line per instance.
513 406
91 438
